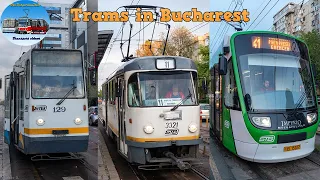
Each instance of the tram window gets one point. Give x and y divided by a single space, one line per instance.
21 96
7 107
231 93
133 91
27 80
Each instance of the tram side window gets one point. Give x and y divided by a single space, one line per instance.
231 93
133 91
21 98
7 106
27 79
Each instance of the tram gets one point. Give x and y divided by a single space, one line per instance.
9 25
151 110
264 107
39 26
24 25
46 103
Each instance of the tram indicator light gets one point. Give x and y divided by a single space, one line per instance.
271 43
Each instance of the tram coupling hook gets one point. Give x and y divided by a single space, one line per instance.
181 165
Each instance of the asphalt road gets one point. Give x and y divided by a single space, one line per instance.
23 168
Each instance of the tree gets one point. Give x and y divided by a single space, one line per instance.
180 43
312 39
100 93
203 71
145 50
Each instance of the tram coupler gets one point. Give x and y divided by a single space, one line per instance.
181 165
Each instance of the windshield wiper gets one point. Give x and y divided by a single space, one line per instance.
68 93
302 98
182 101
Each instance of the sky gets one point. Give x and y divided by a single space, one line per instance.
114 59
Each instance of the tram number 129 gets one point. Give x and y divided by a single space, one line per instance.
59 109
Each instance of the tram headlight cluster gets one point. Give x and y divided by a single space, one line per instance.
262 121
148 129
193 127
311 117
77 121
40 122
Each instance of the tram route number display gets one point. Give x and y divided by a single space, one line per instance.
171 128
272 43
59 109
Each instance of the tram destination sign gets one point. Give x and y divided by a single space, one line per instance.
278 44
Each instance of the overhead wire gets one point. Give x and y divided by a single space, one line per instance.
259 14
266 14
212 41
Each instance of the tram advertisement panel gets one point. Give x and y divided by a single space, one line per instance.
276 75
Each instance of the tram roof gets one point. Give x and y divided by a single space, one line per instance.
148 63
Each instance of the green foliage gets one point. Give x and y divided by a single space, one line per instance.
100 94
313 41
203 72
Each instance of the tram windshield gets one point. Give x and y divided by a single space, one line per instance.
22 22
55 73
276 79
161 89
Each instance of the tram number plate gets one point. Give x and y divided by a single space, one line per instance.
171 128
60 132
291 148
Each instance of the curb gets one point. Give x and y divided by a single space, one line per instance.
6 165
105 163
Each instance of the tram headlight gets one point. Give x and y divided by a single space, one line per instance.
77 121
193 127
262 121
148 129
40 122
311 117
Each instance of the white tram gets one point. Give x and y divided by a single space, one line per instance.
150 108
46 103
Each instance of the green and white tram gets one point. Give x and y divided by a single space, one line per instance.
264 106
46 103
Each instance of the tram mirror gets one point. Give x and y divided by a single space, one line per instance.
222 65
0 83
313 67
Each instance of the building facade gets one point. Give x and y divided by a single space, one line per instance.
84 36
58 35
294 19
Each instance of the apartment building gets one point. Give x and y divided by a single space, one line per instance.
296 18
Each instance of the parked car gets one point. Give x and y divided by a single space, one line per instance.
93 115
204 111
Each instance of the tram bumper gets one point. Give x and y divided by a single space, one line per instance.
144 152
65 144
274 153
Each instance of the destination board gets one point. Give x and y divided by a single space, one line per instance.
278 44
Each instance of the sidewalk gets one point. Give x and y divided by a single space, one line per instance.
5 172
106 168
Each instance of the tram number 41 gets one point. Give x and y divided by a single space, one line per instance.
59 109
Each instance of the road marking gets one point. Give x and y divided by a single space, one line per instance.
72 178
